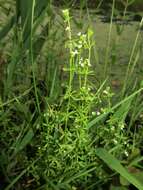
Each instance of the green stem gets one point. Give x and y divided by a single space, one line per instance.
130 60
31 57
109 40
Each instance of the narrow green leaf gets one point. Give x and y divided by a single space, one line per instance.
114 164
102 116
124 181
26 139
4 31
117 188
20 175
23 11
122 111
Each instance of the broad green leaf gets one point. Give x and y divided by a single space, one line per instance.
26 140
124 181
115 164
138 174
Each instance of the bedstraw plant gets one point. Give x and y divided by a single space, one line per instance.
65 133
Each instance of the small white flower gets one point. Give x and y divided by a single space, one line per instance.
79 34
84 35
74 52
105 92
93 113
67 28
65 12
97 113
112 128
122 126
115 141
82 64
126 153
89 64
89 88
79 46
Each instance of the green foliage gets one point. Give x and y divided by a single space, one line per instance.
112 162
55 112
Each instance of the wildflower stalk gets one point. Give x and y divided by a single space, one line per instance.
68 29
79 76
89 56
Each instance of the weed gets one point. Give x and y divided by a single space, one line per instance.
59 128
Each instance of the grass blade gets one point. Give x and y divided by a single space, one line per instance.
20 175
122 111
114 164
4 31
26 139
102 116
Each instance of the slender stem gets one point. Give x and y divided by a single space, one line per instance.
130 60
67 19
109 40
31 56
